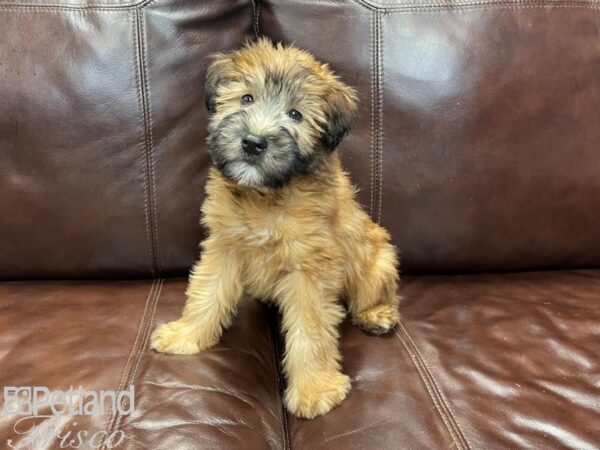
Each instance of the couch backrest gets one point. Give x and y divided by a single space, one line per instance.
102 132
478 144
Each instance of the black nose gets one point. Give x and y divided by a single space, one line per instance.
253 144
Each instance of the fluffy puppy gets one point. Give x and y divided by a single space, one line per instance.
283 222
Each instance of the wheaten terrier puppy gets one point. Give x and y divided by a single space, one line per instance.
283 222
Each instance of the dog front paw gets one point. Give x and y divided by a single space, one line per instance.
176 338
317 396
379 319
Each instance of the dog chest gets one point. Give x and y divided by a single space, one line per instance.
268 229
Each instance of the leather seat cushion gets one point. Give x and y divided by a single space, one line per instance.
481 361
95 334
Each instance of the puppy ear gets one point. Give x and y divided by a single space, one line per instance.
218 73
342 106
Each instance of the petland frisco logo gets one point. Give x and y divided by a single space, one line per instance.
33 401
35 406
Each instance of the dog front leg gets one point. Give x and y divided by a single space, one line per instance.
311 364
214 290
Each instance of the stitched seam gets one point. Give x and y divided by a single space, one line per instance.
433 389
408 7
142 350
380 112
256 10
142 122
147 176
439 390
389 10
429 388
372 181
108 424
508 5
274 347
75 8
59 10
376 125
150 149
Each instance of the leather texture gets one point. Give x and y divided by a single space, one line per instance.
480 362
102 133
95 334
476 146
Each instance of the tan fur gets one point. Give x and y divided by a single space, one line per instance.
305 246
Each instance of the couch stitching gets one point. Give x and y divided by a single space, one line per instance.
439 390
108 424
142 350
429 390
50 7
138 80
376 119
433 389
279 379
508 6
59 10
372 164
150 149
380 114
369 4
147 145
432 7
410 7
256 9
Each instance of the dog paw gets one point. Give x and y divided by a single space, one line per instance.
379 319
317 397
174 338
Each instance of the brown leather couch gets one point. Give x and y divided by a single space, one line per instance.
477 146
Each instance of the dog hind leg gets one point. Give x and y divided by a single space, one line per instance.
371 289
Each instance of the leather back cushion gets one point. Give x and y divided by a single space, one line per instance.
102 132
478 144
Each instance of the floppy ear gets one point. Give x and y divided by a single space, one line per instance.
218 73
342 106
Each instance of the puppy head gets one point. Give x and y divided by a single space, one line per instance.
276 112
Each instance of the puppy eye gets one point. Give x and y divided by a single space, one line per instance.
295 115
247 99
